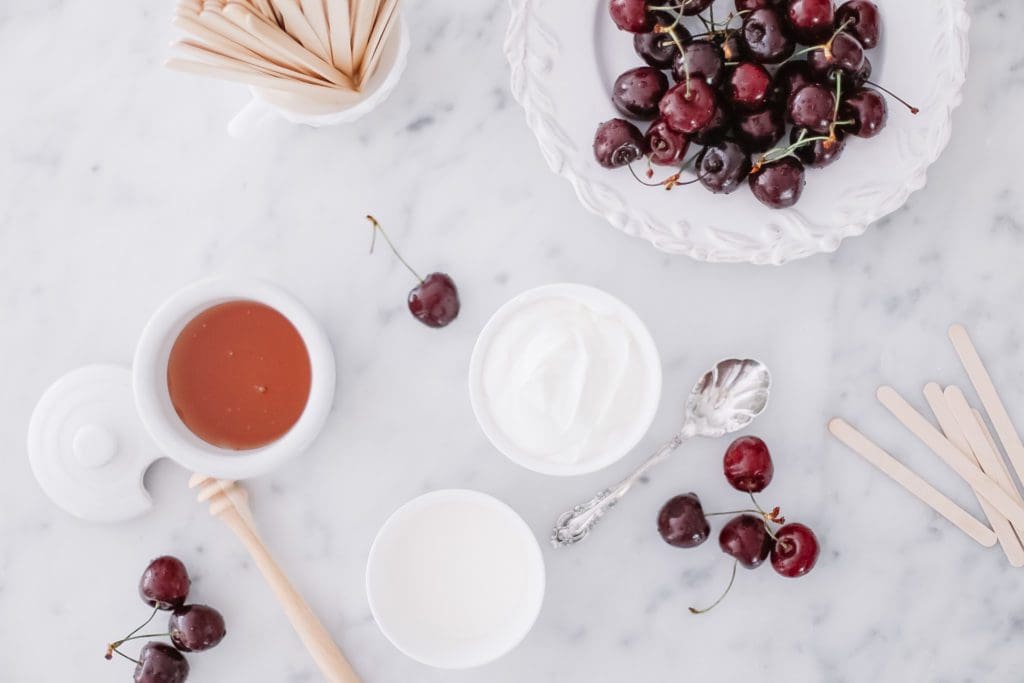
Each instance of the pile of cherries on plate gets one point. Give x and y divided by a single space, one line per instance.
727 95
748 537
164 586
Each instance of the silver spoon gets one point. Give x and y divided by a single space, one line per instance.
726 399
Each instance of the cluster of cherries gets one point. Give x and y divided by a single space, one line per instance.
193 628
726 100
748 537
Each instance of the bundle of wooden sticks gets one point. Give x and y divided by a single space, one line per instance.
963 441
310 48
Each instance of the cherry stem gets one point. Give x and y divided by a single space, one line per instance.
912 108
373 242
112 647
766 516
115 651
779 153
734 512
720 597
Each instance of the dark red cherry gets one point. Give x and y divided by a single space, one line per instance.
748 87
721 167
748 465
790 77
778 184
796 551
165 583
435 301
868 111
760 130
618 143
716 128
636 92
765 37
666 146
688 107
746 539
681 522
195 628
160 663
691 7
702 59
819 153
658 49
845 53
631 15
862 19
812 106
810 21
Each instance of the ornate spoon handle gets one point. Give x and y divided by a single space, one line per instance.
574 525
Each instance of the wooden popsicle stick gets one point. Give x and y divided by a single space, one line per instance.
316 15
951 427
220 23
250 78
911 482
984 457
240 61
386 20
296 25
339 26
982 382
1002 463
229 503
933 438
281 42
988 457
363 17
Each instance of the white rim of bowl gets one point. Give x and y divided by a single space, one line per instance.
152 398
536 568
580 292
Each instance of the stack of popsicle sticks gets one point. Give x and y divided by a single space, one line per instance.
963 441
319 49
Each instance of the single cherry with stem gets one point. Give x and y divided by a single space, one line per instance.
682 523
435 300
796 550
617 143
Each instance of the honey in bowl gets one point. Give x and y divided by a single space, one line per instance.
239 375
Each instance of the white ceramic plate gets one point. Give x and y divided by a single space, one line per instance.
565 55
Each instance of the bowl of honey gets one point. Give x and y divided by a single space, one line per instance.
232 377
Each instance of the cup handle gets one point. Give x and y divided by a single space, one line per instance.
251 117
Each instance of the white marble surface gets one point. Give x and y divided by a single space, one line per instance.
118 185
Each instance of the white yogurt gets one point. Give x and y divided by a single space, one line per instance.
565 379
455 579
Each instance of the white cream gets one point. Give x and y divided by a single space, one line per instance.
567 377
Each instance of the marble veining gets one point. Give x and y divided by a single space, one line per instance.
118 185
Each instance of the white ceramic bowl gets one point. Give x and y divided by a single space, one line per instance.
152 398
566 55
408 613
645 412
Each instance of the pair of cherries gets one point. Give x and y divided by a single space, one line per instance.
748 537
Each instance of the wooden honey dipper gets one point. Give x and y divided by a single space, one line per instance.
230 502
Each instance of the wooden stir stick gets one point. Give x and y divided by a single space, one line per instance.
951 428
982 382
933 438
229 501
910 481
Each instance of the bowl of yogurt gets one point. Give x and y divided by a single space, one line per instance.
565 379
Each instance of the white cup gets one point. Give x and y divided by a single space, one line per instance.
268 104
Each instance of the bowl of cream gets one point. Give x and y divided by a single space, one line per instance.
565 379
